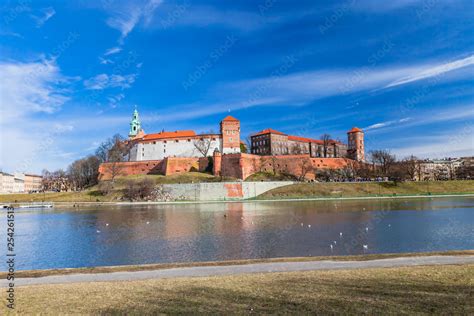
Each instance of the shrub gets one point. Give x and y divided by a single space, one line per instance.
139 190
105 187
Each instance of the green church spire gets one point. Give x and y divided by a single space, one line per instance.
135 125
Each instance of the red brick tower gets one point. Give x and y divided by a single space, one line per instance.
230 130
217 166
355 149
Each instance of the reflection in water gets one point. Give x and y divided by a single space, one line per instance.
203 232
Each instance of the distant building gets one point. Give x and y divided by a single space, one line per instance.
33 183
183 143
439 169
11 184
272 142
20 183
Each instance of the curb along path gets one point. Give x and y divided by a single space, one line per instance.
244 269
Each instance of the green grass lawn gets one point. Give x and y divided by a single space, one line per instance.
309 190
443 290
269 176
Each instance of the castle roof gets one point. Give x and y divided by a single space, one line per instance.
230 118
295 138
163 135
355 130
268 131
304 139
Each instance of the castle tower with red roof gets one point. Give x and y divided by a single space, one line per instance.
355 150
230 130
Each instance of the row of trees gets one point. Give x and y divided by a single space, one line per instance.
84 172
380 164
384 164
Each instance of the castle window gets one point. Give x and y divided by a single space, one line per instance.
189 140
164 142
154 143
177 141
214 138
164 150
230 139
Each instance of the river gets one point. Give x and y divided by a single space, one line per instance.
142 234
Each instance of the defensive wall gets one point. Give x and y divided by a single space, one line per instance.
220 191
238 166
241 166
167 166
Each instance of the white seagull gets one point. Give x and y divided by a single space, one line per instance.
365 247
340 234
147 223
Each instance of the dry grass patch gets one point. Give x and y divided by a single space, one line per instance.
158 266
408 290
309 190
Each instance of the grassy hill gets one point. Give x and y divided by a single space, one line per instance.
315 190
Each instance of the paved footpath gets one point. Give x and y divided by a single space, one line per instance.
243 269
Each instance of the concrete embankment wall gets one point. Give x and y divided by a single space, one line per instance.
220 191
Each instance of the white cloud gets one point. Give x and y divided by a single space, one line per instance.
104 81
376 6
8 33
105 61
26 89
298 88
204 16
433 70
451 143
113 50
125 16
385 124
46 14
447 113
30 87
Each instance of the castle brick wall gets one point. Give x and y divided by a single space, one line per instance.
242 166
128 168
230 166
239 166
180 164
167 166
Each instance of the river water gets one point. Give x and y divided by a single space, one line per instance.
120 235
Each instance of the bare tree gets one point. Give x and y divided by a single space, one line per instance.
203 145
296 150
112 147
326 138
84 172
412 167
382 160
305 167
113 170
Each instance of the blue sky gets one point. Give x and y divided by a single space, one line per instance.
71 72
